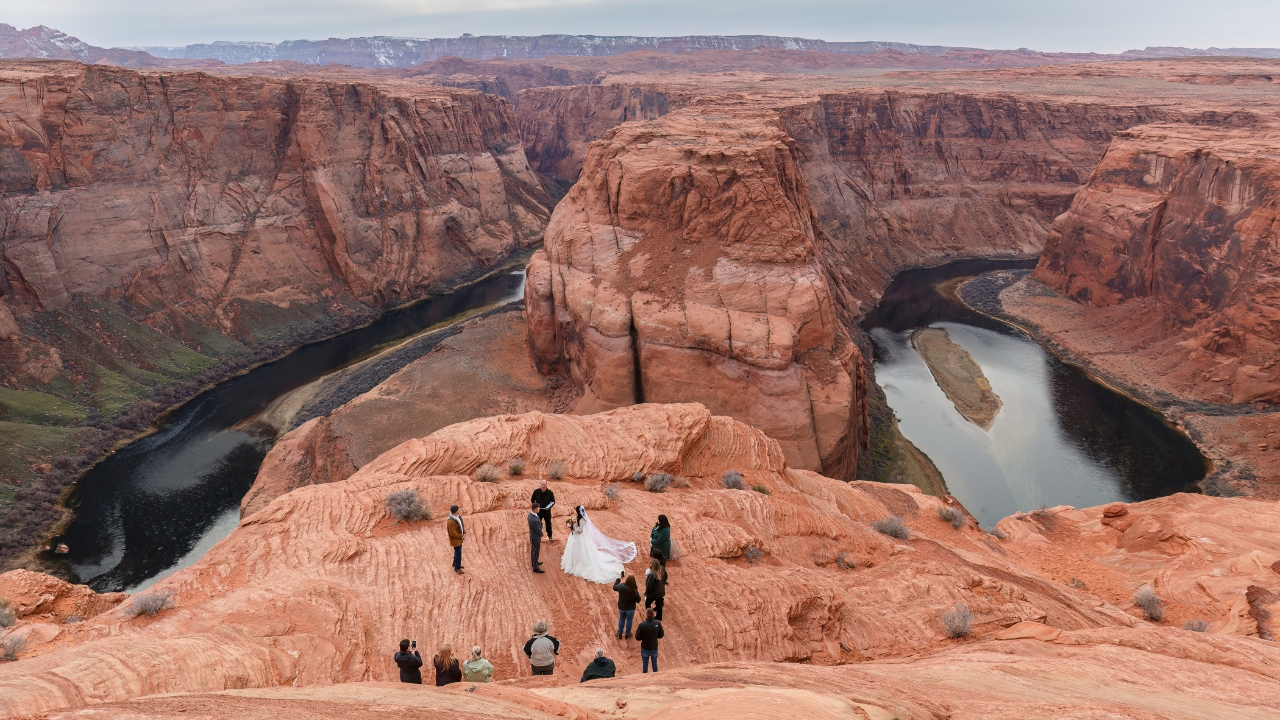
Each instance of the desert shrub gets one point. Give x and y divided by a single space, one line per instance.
732 479
845 561
657 482
611 491
1077 583
515 467
754 554
958 621
407 506
762 489
11 646
556 470
1196 625
1149 602
997 533
152 603
680 481
8 616
953 516
486 473
72 619
893 527
637 476
676 552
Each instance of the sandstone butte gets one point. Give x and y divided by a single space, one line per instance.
311 593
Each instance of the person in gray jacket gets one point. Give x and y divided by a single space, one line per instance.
542 650
535 537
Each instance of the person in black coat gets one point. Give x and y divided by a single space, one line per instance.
649 632
535 537
447 669
409 663
628 596
655 587
545 499
600 668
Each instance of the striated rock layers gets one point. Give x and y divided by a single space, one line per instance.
683 267
318 586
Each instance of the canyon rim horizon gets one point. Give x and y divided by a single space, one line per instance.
251 291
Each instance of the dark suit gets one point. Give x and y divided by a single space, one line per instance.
535 537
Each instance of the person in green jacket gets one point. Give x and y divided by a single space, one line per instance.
660 540
601 667
477 669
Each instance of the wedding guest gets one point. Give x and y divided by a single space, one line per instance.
542 650
447 670
535 537
477 669
601 667
457 533
660 540
628 596
409 662
545 499
655 587
649 632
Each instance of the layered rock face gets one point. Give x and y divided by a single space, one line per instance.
1177 228
319 586
683 267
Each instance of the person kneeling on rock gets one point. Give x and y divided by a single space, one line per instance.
601 667
542 650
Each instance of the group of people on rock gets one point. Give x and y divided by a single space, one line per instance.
589 554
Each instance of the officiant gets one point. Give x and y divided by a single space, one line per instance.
545 500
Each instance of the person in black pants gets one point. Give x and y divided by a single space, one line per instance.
655 587
535 537
545 500
409 663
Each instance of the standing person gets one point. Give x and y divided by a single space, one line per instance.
477 669
655 587
447 670
542 650
545 500
649 632
535 537
409 662
628 596
660 540
457 533
600 668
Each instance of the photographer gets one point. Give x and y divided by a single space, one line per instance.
409 662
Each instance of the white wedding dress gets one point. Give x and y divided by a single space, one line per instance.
594 556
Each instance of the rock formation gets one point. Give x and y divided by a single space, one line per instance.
683 267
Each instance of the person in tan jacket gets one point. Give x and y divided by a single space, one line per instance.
457 533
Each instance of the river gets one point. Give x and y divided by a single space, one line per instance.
1060 438
158 504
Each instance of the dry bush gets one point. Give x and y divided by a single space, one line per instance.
11 646
515 467
1150 603
893 527
997 533
754 554
556 470
763 490
676 552
152 603
845 561
657 482
72 619
1078 584
611 491
732 479
680 481
958 621
1196 625
637 476
953 516
8 616
407 506
486 473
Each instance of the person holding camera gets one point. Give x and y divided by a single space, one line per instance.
409 661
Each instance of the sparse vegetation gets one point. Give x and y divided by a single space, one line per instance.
845 561
556 470
893 527
657 482
637 476
1150 603
1078 584
732 479
754 554
953 516
763 490
407 506
11 646
676 552
515 467
997 533
72 620
8 616
611 491
151 603
486 473
680 481
1196 625
958 621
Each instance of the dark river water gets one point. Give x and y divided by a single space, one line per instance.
1059 439
158 504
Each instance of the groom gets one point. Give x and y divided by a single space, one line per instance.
535 536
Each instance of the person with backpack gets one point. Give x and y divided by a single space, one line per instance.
655 587
649 632
447 670
628 596
477 669
542 650
409 662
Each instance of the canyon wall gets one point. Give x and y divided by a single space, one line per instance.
161 228
683 267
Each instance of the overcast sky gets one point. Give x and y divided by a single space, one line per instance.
1055 25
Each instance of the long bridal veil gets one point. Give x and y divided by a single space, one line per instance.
624 551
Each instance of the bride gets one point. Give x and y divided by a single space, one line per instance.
591 554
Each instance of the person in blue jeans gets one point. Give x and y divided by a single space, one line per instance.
628 597
649 632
